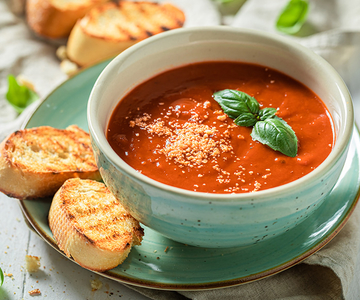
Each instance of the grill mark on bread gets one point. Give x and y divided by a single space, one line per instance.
86 237
54 18
126 33
134 20
35 162
164 28
110 28
85 214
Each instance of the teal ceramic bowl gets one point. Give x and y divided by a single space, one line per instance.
218 220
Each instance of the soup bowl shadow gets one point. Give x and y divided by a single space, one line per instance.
206 219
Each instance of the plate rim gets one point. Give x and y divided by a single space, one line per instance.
205 286
41 102
190 286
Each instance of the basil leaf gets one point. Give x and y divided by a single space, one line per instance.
246 119
251 103
292 18
267 113
235 102
1 277
277 134
19 96
268 129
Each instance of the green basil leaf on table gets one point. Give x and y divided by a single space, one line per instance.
268 128
1 277
293 16
19 96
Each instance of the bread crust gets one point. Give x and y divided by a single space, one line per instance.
56 18
90 225
79 44
35 162
110 28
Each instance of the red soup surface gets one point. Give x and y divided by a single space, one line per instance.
171 129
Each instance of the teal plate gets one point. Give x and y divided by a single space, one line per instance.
164 264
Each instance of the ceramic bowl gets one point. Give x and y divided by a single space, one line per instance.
218 220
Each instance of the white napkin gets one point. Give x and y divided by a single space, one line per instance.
332 30
22 53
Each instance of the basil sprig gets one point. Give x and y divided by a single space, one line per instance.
293 16
268 128
1 277
19 95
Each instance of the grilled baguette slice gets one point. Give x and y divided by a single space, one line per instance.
35 162
90 225
110 28
56 18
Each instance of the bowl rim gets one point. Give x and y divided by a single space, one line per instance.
340 146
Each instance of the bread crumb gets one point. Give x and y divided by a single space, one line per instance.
25 82
96 284
32 263
61 52
222 117
68 67
17 7
257 186
35 292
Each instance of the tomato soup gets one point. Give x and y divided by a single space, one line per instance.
171 129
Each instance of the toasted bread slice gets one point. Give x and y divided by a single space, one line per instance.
110 28
35 162
90 225
56 18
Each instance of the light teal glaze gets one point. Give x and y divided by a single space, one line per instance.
214 222
206 219
190 268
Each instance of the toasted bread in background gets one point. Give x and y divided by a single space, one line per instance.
35 162
90 225
56 18
108 29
